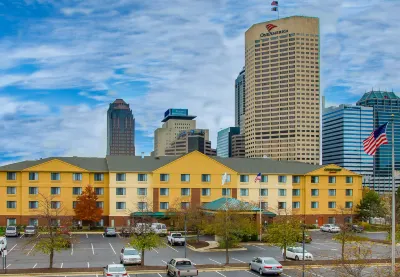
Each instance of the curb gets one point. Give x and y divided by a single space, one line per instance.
214 250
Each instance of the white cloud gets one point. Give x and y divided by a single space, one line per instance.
72 11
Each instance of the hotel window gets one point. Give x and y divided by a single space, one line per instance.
11 176
55 176
76 191
314 192
33 176
244 192
164 205
11 190
264 178
120 191
164 177
349 180
349 192
99 191
314 179
11 204
33 190
33 222
264 206
296 179
331 220
226 192
55 222
282 192
185 177
296 192
205 192
142 191
142 177
228 177
331 204
74 203
282 179
121 177
164 191
120 205
100 204
55 204
332 179
33 204
263 192
142 206
185 205
314 205
244 178
332 192
98 177
349 204
185 191
296 205
11 221
206 178
77 176
281 205
55 191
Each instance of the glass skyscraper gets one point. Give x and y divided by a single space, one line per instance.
384 104
240 84
343 130
224 141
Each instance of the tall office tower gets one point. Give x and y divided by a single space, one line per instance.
384 104
224 141
343 130
120 129
282 108
175 121
240 87
238 150
191 140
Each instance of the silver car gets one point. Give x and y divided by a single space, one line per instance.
12 231
114 270
30 231
266 265
130 255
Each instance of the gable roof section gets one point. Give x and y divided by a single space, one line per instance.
137 163
90 164
257 165
334 166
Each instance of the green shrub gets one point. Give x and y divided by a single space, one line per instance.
234 242
2 231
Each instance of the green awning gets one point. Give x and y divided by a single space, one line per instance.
151 214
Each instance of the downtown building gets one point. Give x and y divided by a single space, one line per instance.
343 130
225 139
384 105
282 93
191 140
120 129
240 92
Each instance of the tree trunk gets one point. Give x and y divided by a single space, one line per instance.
142 264
343 244
284 253
51 258
198 235
226 251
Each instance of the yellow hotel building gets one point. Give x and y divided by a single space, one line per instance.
128 184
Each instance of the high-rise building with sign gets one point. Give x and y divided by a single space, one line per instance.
282 111
175 121
120 129
240 86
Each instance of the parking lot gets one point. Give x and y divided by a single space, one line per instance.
95 250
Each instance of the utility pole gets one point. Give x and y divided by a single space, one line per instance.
393 206
185 234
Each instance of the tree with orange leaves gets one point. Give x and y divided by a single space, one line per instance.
86 208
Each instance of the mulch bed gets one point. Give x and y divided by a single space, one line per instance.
198 244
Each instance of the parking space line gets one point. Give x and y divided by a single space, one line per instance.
102 235
22 236
88 264
154 250
220 273
12 248
159 274
8 265
72 249
34 265
61 265
259 247
112 248
164 261
251 273
238 260
87 236
92 248
284 274
214 261
30 250
171 247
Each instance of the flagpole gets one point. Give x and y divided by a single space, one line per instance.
260 213
393 205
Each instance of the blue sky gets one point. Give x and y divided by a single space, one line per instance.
62 62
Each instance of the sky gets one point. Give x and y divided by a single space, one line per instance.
63 61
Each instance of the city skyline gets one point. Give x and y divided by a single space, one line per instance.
51 83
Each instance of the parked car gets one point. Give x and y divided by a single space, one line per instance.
176 238
159 228
30 230
114 270
12 231
307 238
296 253
126 232
357 228
130 255
181 267
266 265
3 243
110 232
331 228
142 228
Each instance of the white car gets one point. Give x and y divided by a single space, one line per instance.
130 255
296 253
331 228
114 270
266 265
3 243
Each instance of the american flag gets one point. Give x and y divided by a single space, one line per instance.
258 178
270 27
274 3
376 139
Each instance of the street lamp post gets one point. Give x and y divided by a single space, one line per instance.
304 244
